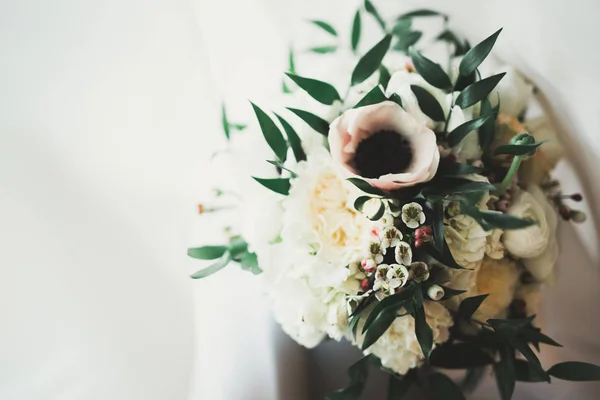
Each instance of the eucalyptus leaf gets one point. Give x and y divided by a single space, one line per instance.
325 26
225 122
293 139
356 31
444 388
371 61
428 103
461 131
381 324
430 71
314 121
478 91
575 371
323 92
323 49
217 266
374 96
365 186
271 132
468 306
278 185
207 252
373 11
477 54
249 262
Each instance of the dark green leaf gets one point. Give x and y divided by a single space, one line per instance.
293 139
380 211
487 130
449 292
518 149
271 132
534 335
423 331
402 27
444 388
384 76
371 10
374 96
314 121
325 26
353 325
280 165
438 225
291 63
323 92
225 122
428 104
478 91
381 324
396 99
217 266
399 386
207 252
323 49
278 185
393 303
459 356
365 186
456 169
422 13
371 61
463 81
249 262
525 373
430 71
356 29
461 131
449 186
444 258
575 371
450 37
359 203
358 373
477 54
503 221
469 305
406 40
237 247
238 127
505 373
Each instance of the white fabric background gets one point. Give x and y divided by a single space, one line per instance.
109 111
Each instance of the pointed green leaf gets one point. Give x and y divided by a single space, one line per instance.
293 139
374 96
314 121
271 132
421 13
377 216
217 266
450 37
365 186
384 76
505 374
402 27
291 62
371 61
478 91
323 49
393 303
406 40
325 26
238 127
381 324
207 252
280 165
461 131
438 224
430 71
225 122
444 388
469 305
503 221
249 262
518 149
477 54
278 185
359 203
396 99
423 331
428 104
525 373
456 169
356 30
323 92
449 292
487 130
373 11
575 371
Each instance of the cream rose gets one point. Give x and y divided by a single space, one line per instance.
385 145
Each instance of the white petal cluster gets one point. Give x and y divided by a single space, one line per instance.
466 240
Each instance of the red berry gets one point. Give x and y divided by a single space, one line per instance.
418 242
365 284
427 230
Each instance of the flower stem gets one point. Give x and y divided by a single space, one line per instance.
449 113
514 167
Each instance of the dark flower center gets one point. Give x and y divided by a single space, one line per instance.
384 152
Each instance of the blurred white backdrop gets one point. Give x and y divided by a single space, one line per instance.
110 111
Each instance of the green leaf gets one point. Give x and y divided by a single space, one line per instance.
525 373
314 121
505 373
487 130
402 27
438 225
381 324
278 185
249 262
380 211
225 122
449 292
518 149
393 303
477 54
384 76
373 11
323 92
237 247
534 362
399 385
356 30
323 49
293 139
325 26
456 169
396 99
353 325
450 37
461 131
359 203
423 331
421 13
463 81
406 40
534 335
430 71
291 62
271 132
365 186
238 127
217 266
459 356
371 61
575 371
469 305
358 374
374 96
455 186
503 221
280 165
478 91
207 252
444 388
444 258
428 104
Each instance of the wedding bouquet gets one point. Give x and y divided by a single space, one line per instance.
415 216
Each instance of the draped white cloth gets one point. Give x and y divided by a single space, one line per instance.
110 112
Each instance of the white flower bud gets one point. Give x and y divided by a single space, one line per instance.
435 292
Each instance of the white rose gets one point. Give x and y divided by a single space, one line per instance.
531 241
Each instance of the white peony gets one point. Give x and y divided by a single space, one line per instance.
466 240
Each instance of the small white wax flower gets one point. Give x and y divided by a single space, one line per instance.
376 251
419 271
413 215
403 253
380 277
356 271
435 292
397 275
391 237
